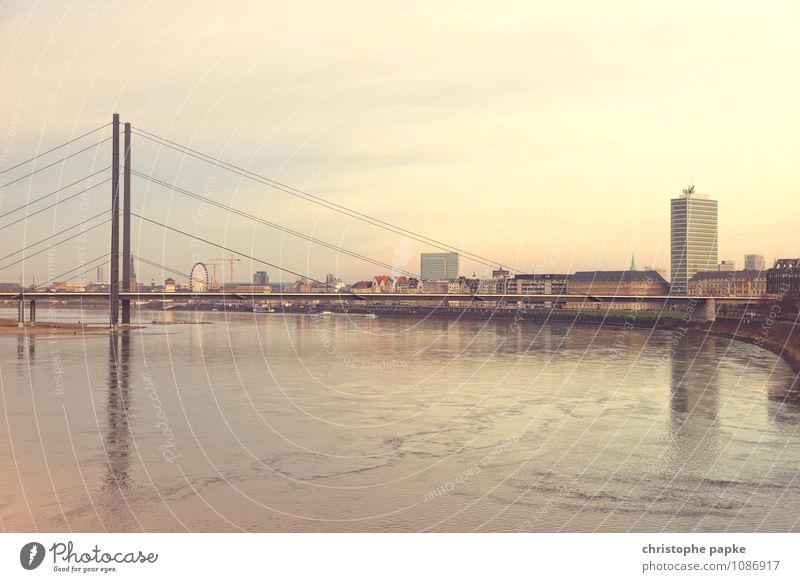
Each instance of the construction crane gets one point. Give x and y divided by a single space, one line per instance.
231 261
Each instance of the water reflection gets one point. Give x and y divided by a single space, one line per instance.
669 437
694 402
118 438
694 390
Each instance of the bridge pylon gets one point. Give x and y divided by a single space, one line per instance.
126 227
113 297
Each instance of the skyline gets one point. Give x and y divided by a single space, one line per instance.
568 167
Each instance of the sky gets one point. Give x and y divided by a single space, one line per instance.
542 136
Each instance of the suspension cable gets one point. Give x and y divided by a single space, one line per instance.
51 150
22 206
53 235
223 247
4 267
260 220
64 159
316 199
70 197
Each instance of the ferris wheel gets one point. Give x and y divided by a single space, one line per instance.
198 278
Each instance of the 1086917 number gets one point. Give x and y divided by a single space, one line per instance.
751 565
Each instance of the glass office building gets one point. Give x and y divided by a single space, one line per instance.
693 238
439 266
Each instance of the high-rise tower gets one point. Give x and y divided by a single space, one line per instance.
693 237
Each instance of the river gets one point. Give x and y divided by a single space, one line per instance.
268 422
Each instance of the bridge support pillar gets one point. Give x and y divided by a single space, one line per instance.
707 310
33 311
21 313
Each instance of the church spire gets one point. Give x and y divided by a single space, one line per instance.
633 263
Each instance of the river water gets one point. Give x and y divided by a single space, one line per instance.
268 422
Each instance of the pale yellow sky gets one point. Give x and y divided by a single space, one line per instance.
548 136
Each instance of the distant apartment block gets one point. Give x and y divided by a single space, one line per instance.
500 274
726 265
784 277
742 283
489 286
260 278
754 263
537 284
439 266
693 237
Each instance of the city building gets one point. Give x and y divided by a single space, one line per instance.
67 287
742 283
469 284
489 286
302 286
332 283
169 285
456 287
537 284
754 263
405 284
361 287
243 288
500 274
693 237
726 265
382 284
784 277
633 283
260 278
434 286
439 266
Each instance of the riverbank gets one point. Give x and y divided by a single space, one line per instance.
779 337
10 327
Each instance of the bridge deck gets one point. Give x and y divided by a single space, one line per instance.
277 296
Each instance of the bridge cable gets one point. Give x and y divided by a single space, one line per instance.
70 197
58 277
22 206
162 267
58 147
4 267
223 247
54 235
64 159
316 199
22 293
260 220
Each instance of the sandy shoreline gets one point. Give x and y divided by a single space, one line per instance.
10 327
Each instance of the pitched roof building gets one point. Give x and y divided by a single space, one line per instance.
617 283
729 283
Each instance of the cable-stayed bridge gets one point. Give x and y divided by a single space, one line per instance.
120 213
